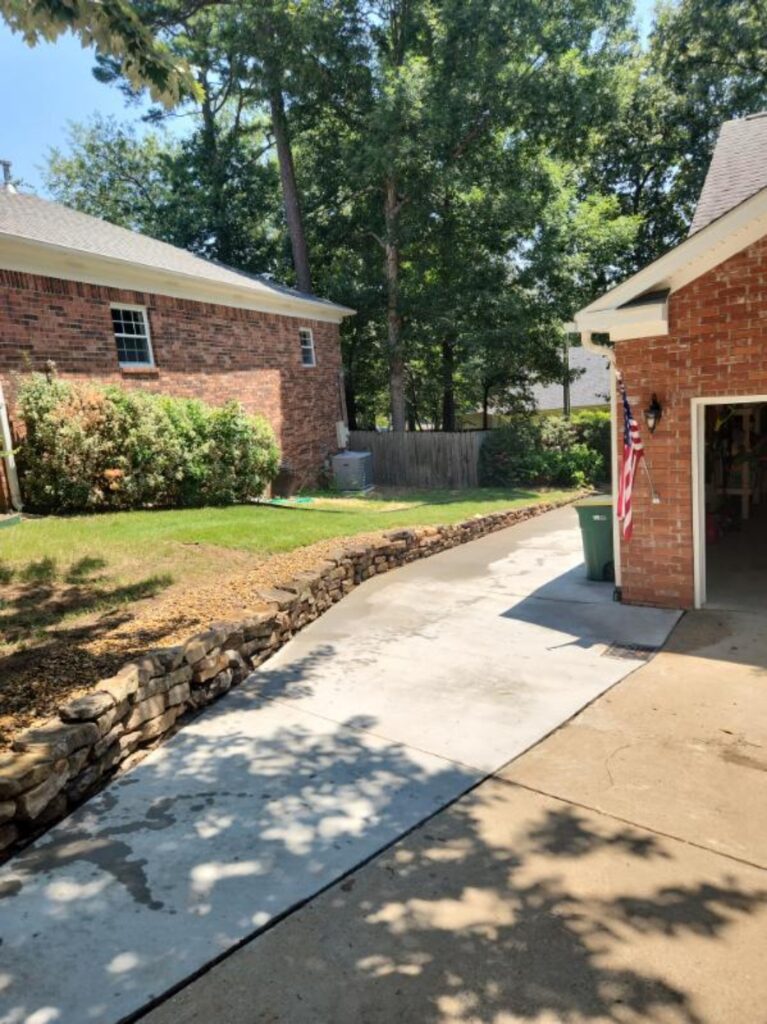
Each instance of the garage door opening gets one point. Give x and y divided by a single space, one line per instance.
735 489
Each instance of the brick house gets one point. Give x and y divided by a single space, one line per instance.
111 305
691 329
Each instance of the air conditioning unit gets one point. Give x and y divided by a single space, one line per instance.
353 471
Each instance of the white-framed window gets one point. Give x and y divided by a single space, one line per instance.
132 338
308 356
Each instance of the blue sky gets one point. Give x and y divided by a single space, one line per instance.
45 88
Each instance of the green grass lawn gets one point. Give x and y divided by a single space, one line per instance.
73 549
81 595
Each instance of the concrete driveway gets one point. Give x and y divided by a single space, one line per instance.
614 874
400 699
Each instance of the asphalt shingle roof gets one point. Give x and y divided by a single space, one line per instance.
590 387
40 220
738 169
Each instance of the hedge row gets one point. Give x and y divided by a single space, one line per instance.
90 448
547 451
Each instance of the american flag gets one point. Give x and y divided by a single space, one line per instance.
633 450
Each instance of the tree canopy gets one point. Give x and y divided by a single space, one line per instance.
464 173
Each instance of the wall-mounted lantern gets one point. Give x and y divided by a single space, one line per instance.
653 413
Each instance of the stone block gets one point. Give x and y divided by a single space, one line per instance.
108 739
162 684
125 745
281 599
76 762
144 710
211 690
84 783
57 739
87 708
168 658
199 646
229 634
8 836
209 666
54 811
178 695
236 663
32 803
161 724
110 718
19 772
149 666
125 683
258 626
7 810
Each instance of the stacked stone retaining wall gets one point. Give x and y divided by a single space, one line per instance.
55 765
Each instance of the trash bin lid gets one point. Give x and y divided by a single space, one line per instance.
595 501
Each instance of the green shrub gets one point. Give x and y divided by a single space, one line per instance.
538 452
593 428
88 447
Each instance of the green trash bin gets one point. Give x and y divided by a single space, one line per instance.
596 519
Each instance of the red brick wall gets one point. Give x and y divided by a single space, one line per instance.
717 345
211 352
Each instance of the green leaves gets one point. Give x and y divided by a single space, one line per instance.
114 28
467 172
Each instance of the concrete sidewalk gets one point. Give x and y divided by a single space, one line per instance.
382 712
614 874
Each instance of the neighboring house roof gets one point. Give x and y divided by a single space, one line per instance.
590 387
77 246
730 218
738 169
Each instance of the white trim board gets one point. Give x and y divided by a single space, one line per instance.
698 425
46 260
695 256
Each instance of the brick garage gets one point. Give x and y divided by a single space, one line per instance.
692 329
230 337
717 346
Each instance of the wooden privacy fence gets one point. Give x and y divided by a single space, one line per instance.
422 458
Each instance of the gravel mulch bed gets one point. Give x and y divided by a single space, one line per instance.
70 660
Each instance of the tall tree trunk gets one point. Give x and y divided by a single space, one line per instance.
448 385
290 195
351 397
566 382
216 180
393 318
486 408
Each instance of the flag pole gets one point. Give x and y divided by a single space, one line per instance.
653 492
655 495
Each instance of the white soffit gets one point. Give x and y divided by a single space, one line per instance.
692 258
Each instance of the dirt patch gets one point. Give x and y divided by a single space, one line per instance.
90 631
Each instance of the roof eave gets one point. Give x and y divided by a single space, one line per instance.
643 321
34 256
693 257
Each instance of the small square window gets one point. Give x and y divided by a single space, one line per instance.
306 338
131 331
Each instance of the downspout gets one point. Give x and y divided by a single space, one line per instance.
609 354
6 443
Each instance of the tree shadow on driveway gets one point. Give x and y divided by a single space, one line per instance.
506 908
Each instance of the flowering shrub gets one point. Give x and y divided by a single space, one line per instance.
88 447
543 452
